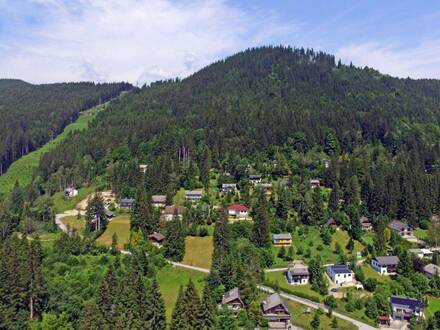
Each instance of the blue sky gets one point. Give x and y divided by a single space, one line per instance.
145 40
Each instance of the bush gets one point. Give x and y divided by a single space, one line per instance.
320 247
370 284
331 302
203 232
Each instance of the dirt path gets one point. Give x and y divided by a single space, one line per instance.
60 216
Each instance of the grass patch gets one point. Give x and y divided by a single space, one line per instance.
74 223
198 251
371 273
433 306
421 233
342 237
22 170
171 278
179 198
279 278
61 204
119 225
303 319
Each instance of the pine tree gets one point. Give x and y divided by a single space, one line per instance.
174 246
227 320
205 167
96 217
178 318
317 210
142 215
156 313
207 313
36 289
91 318
192 302
333 203
106 297
261 221
114 246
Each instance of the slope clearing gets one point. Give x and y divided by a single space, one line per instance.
23 169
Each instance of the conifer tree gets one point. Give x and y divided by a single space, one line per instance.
91 318
96 217
207 311
178 318
36 289
174 246
156 307
192 302
142 215
227 320
107 295
261 221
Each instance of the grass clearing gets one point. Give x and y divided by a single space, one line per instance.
371 273
421 233
171 278
433 306
198 251
74 223
22 170
119 225
61 204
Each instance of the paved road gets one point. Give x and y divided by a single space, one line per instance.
312 304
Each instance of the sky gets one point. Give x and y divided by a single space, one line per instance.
140 41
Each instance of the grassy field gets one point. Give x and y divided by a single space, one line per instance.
433 306
74 223
23 169
421 233
280 279
371 273
301 318
198 251
119 225
171 278
61 204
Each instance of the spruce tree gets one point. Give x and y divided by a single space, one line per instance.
156 307
207 313
91 318
178 318
142 215
96 217
192 302
174 246
36 289
260 235
107 295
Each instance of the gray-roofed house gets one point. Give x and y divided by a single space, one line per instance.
255 178
404 308
403 229
158 200
274 309
266 187
340 274
109 214
126 203
431 270
229 187
193 195
386 265
421 253
315 183
298 274
284 239
233 300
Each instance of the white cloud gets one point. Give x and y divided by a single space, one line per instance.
131 40
421 61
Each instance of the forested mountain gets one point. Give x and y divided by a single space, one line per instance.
264 107
31 115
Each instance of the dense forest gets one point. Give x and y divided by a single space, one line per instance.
262 110
31 115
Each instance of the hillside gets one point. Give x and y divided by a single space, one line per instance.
265 105
31 115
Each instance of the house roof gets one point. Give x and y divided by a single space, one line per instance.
157 236
193 192
339 269
254 177
126 201
231 295
387 260
412 303
237 208
272 301
265 185
282 236
364 219
304 270
170 209
229 185
398 225
109 214
432 269
158 198
331 222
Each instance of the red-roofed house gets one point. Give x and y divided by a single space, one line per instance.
238 211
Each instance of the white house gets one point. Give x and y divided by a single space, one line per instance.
193 195
385 265
340 274
298 274
70 192
315 183
238 211
421 253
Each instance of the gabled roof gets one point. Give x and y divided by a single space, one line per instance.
272 301
254 177
229 185
193 192
304 270
398 225
364 219
339 269
387 260
432 269
331 222
237 208
412 303
231 295
170 209
157 237
126 201
282 236
158 198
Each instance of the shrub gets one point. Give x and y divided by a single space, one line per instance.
203 232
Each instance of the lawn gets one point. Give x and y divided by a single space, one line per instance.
23 169
301 318
421 233
119 225
61 204
433 306
74 223
342 237
279 278
171 278
371 273
198 251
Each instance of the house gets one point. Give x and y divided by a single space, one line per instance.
282 239
109 214
326 163
193 195
70 192
232 300
158 200
340 274
229 187
255 178
315 183
298 274
274 309
431 270
403 229
172 210
238 211
385 265
403 309
143 168
365 223
157 238
331 222
126 203
421 253
266 187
